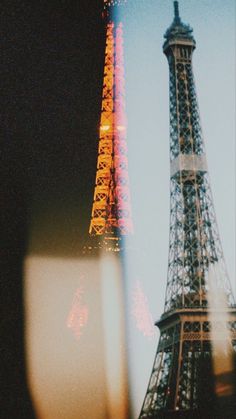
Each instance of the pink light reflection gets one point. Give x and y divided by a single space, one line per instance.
78 315
141 312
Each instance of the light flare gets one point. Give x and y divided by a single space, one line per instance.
114 336
105 127
219 316
66 380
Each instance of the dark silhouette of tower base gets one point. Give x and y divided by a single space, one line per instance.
193 375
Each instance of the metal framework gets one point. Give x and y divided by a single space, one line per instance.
111 210
182 375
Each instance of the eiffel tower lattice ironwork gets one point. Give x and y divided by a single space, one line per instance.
111 211
199 315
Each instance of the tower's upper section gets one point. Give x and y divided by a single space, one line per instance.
178 33
195 250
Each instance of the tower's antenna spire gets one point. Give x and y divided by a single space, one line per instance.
176 9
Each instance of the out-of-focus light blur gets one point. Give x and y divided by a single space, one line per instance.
114 335
219 316
80 374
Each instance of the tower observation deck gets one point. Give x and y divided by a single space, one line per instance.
198 325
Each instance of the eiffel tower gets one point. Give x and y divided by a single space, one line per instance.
193 371
111 210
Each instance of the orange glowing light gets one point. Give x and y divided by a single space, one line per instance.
105 127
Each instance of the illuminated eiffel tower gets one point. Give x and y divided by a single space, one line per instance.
193 371
111 211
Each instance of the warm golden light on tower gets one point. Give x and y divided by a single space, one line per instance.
111 211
